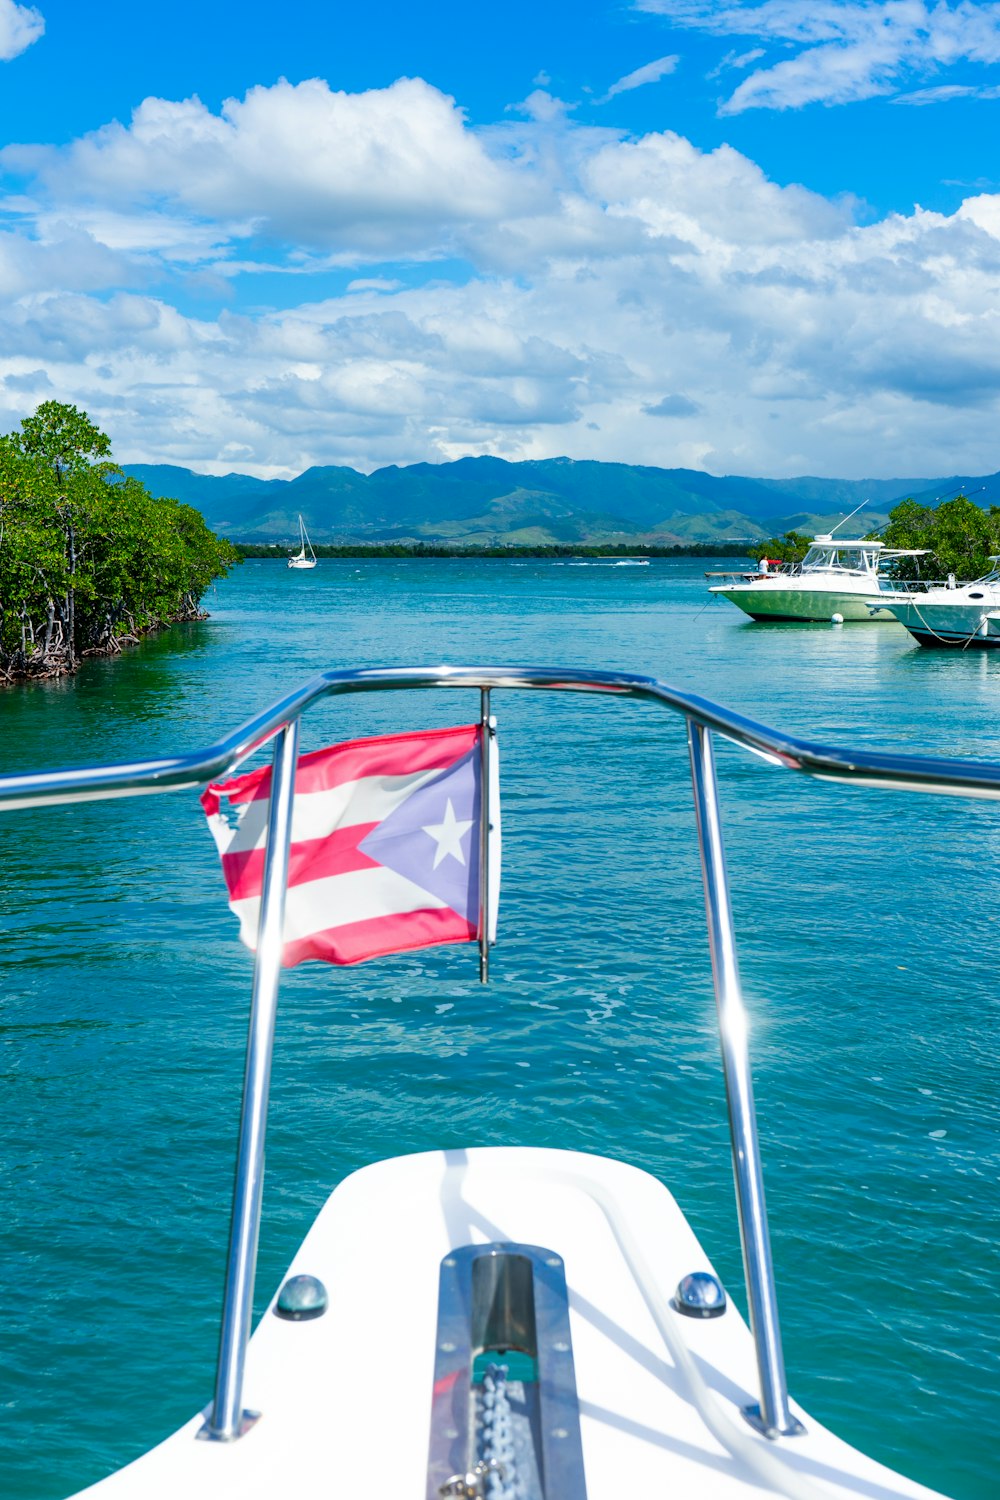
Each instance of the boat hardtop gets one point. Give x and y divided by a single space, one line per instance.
858 555
515 1323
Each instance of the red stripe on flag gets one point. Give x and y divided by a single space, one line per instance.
310 859
378 936
383 755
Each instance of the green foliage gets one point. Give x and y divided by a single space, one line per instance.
88 558
60 437
790 548
960 536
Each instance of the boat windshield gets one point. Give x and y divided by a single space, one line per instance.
856 558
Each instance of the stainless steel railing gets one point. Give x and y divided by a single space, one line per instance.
704 719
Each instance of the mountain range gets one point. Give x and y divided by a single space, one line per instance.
491 501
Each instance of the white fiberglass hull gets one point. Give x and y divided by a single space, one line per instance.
968 617
301 562
346 1399
786 599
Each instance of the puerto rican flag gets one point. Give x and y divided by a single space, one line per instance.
385 845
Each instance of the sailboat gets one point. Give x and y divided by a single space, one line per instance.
305 557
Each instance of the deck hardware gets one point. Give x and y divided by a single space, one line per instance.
699 1295
504 1378
752 1414
301 1298
205 1434
470 1486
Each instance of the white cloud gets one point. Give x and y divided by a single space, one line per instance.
20 25
379 171
374 284
983 211
736 61
673 406
67 258
846 50
944 92
640 300
716 203
650 72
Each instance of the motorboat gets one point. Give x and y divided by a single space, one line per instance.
305 557
515 1323
966 614
834 581
609 562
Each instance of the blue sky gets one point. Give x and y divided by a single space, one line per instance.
757 237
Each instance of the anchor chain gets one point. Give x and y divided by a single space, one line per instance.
497 1437
494 1476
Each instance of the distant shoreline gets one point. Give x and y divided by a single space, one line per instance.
543 550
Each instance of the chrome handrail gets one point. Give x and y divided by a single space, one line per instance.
172 773
704 718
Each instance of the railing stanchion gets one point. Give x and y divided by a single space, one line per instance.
773 1416
484 835
228 1419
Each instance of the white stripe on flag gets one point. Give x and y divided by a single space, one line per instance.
321 905
370 799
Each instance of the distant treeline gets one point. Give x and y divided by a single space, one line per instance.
89 560
440 549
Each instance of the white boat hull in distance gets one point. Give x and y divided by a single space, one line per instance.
967 617
345 1399
301 562
778 598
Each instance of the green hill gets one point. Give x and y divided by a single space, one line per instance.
491 500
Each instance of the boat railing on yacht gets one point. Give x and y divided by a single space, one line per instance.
747 575
915 585
884 579
704 721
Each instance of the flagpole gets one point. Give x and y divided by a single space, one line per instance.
485 823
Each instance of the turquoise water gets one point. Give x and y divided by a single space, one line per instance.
867 932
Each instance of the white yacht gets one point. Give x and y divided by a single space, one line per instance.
966 614
514 1323
305 557
834 581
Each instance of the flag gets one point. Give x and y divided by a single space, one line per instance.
384 850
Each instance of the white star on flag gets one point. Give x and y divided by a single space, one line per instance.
448 836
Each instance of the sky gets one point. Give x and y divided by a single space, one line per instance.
746 236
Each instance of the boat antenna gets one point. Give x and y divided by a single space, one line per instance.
847 518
